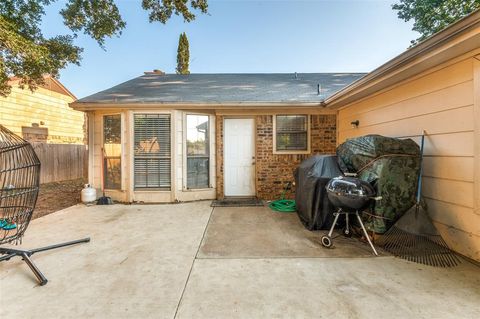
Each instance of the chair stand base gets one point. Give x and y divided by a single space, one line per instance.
7 253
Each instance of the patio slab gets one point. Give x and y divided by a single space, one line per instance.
145 261
382 287
136 265
249 232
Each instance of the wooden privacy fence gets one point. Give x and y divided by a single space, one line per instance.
61 162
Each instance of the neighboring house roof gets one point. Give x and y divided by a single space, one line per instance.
214 89
462 37
51 84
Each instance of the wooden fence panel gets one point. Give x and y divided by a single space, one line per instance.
61 162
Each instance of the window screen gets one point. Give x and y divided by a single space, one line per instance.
198 153
152 151
291 132
112 151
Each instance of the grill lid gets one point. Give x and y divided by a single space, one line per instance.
350 186
349 193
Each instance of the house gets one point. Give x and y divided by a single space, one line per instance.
43 115
172 138
167 137
45 118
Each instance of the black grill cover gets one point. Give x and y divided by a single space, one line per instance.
311 176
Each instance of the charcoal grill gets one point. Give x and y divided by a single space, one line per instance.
349 195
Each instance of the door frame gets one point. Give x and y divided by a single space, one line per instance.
239 117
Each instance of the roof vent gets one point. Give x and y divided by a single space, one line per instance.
155 71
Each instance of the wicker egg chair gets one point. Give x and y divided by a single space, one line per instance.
19 186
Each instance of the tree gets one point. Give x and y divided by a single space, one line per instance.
26 54
431 16
183 55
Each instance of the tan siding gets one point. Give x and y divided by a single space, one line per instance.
454 192
442 104
444 78
456 96
454 168
22 108
449 121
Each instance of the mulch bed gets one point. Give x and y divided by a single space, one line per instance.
58 195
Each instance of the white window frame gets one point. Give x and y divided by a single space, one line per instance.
274 133
132 152
122 150
211 145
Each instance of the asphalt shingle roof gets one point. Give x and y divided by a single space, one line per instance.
224 88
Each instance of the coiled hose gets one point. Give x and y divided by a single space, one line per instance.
284 205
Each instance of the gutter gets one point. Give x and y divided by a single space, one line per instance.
433 42
86 106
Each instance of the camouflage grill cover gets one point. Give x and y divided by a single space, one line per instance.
391 166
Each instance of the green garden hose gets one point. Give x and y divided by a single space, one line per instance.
284 205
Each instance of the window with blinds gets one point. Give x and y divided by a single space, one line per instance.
152 151
291 133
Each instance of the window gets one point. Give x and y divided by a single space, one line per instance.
198 152
112 151
152 151
291 133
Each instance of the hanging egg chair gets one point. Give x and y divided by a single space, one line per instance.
19 186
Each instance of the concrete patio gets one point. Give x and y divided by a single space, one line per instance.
193 261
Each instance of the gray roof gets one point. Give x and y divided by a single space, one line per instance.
224 88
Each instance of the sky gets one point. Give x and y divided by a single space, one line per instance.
241 36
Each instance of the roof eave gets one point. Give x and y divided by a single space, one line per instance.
448 41
92 106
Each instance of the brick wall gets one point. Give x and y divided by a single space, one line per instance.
273 171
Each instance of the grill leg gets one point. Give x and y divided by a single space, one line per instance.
334 223
366 234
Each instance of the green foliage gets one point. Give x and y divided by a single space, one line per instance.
162 10
431 16
26 54
183 55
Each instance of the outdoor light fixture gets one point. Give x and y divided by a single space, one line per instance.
355 123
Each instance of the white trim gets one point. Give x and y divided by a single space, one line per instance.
254 136
122 151
476 141
291 152
146 194
89 106
211 145
91 147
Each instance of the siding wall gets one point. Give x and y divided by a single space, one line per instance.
442 104
22 108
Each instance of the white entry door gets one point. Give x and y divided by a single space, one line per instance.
239 157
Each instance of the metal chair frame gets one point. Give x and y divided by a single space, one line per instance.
19 187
